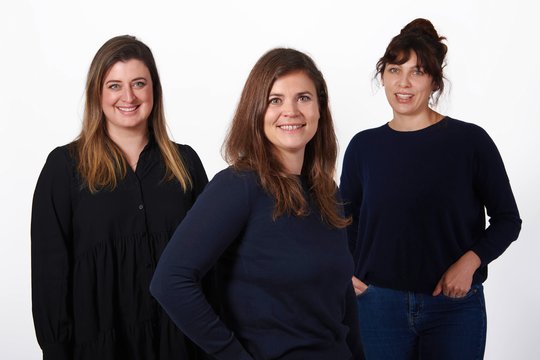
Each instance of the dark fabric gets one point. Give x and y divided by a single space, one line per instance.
418 202
284 286
93 256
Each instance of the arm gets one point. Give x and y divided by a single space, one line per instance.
351 192
351 320
457 280
493 187
213 223
51 235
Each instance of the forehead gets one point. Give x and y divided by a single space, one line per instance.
295 79
131 68
408 59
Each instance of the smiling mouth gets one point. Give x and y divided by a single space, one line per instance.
291 127
404 96
127 108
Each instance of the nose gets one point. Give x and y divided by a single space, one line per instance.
404 80
290 108
128 95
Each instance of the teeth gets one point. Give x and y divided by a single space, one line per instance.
404 96
290 127
132 108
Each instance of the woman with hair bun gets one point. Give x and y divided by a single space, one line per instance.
417 189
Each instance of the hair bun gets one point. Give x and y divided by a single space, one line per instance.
421 27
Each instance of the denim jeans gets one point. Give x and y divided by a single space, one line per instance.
406 325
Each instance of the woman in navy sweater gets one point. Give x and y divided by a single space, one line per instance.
271 227
417 189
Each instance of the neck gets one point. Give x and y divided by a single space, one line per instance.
292 162
131 144
415 122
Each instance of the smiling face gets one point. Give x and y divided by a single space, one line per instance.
127 96
407 88
292 115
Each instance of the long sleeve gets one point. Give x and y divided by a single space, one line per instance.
51 233
214 222
493 186
351 191
351 320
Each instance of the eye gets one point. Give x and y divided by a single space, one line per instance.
274 101
113 86
419 71
393 70
304 98
139 84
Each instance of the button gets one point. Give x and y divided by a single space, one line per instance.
141 207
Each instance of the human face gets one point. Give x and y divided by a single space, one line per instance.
127 97
407 88
292 115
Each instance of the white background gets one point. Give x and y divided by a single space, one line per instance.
204 51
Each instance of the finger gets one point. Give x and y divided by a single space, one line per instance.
438 289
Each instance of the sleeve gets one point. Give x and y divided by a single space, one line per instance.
351 320
350 187
493 186
214 222
51 234
196 169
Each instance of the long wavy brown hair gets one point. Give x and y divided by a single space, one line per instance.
100 162
247 148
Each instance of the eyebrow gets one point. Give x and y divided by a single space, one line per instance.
136 79
307 92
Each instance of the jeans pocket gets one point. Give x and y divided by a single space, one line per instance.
472 291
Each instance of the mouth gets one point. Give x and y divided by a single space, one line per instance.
402 96
127 109
291 127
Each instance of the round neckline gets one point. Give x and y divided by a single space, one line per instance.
426 129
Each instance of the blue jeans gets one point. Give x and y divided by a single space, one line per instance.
407 325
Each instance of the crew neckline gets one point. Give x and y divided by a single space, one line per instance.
426 129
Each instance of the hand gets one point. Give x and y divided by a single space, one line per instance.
359 286
456 281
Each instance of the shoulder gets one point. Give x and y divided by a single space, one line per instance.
464 126
61 157
369 135
232 176
185 150
232 187
59 168
187 153
468 131
190 156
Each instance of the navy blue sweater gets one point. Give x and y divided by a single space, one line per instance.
283 286
418 202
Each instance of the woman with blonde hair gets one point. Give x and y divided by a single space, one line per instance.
104 208
273 229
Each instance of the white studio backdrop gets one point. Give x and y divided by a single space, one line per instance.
205 50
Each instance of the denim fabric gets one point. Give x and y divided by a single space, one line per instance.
406 325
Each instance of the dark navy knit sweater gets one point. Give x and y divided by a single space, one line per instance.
418 202
284 287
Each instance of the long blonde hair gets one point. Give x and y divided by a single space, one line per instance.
100 162
247 147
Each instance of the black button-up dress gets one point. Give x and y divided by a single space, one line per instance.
93 256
